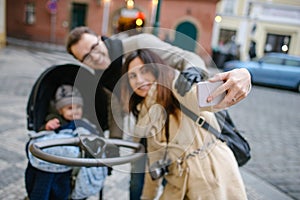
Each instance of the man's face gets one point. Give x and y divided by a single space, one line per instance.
91 51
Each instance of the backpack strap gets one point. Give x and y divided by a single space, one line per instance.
201 121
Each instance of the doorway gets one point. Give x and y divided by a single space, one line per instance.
186 36
78 15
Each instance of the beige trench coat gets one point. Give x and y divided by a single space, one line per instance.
211 174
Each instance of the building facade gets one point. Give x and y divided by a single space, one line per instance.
2 23
51 20
258 26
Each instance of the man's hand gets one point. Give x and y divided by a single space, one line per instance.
237 84
187 78
52 124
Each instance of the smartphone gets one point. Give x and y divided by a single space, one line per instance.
204 89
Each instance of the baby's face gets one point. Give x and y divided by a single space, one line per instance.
71 112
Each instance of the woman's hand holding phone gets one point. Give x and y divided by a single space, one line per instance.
204 90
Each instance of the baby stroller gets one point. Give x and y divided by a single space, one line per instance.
94 148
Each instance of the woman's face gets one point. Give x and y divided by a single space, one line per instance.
140 78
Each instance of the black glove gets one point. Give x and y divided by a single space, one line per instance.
188 77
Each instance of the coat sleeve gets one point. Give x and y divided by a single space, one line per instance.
150 122
49 117
172 55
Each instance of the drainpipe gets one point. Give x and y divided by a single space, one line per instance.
105 18
156 22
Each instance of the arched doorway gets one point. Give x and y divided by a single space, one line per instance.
186 36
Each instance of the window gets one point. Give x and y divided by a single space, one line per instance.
79 12
250 7
295 63
30 13
277 43
229 6
226 36
273 60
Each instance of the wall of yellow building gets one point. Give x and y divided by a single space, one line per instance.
235 22
283 2
239 10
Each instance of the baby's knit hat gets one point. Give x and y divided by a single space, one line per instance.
66 95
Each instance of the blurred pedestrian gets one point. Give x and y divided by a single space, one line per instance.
252 50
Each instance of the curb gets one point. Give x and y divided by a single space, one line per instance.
258 189
37 45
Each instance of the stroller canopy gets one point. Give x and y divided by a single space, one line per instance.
43 91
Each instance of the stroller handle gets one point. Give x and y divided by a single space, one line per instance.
36 150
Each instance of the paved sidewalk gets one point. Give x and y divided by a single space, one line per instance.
19 69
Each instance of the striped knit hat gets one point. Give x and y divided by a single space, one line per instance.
66 95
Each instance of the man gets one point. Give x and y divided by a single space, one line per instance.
105 56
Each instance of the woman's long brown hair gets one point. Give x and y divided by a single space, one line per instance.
164 76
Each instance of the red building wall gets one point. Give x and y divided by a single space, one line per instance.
16 26
203 12
172 12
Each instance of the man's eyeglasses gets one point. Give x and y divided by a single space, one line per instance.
87 57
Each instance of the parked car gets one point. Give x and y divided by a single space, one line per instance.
273 69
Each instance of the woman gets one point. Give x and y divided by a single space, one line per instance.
194 163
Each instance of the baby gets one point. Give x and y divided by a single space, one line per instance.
68 103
